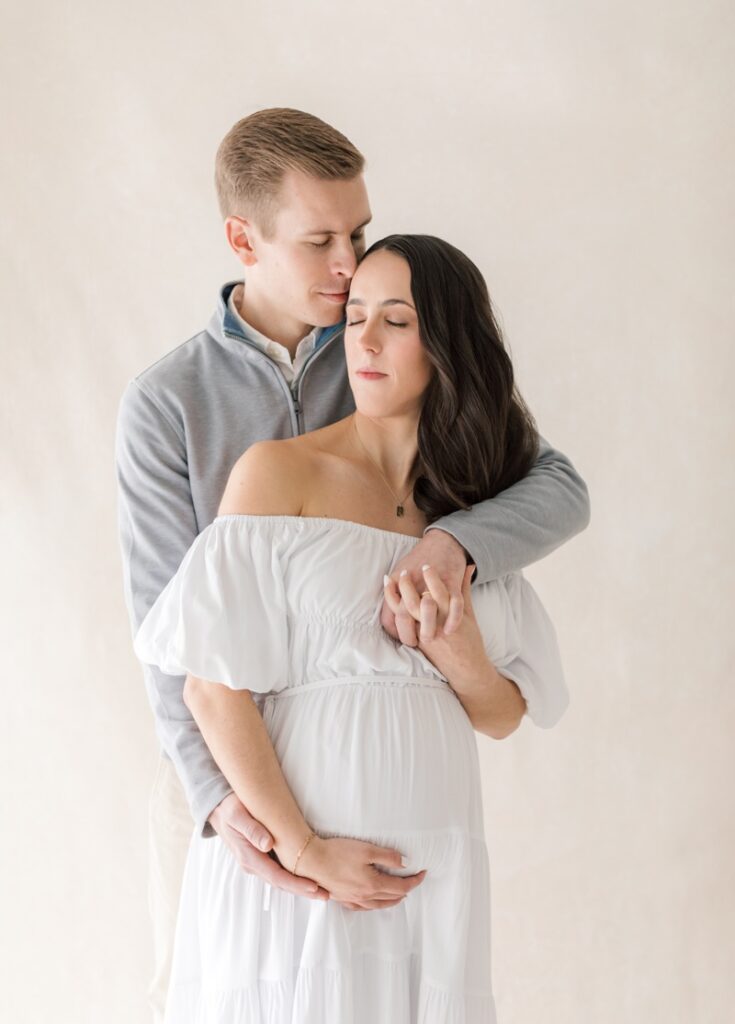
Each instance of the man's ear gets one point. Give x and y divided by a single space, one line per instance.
241 236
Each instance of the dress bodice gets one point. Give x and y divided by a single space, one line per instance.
267 603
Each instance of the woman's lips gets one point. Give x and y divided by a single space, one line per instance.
338 297
370 374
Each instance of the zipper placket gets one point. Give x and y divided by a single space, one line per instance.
297 383
279 376
294 389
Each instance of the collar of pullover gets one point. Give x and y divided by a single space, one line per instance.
232 326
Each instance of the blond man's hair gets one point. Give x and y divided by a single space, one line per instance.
256 153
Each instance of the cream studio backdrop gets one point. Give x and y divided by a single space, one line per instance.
579 154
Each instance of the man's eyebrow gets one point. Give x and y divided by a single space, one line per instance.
388 302
328 231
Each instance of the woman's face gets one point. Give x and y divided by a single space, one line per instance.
382 334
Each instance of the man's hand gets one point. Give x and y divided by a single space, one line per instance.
446 555
250 843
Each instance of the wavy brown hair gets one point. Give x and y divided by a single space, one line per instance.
476 436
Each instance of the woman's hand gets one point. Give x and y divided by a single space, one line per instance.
457 655
347 869
445 554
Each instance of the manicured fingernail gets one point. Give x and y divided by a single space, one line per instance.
263 843
404 862
386 581
425 567
403 572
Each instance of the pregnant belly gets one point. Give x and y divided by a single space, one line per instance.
377 757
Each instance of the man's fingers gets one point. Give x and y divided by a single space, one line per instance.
417 616
406 626
243 824
270 871
429 612
436 587
233 823
246 839
455 613
410 594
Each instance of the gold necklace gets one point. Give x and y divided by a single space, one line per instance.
400 511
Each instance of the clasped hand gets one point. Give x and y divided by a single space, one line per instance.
447 630
345 870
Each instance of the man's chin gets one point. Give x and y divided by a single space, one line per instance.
327 318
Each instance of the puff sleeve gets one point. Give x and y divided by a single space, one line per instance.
520 640
222 617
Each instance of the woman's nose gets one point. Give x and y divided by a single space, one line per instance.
369 336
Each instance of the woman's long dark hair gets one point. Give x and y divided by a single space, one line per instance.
476 435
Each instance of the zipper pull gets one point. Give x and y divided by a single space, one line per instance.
297 410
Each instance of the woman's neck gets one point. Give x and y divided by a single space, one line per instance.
391 445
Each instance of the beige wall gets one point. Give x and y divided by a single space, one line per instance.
582 154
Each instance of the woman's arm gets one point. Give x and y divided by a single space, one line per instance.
234 731
494 704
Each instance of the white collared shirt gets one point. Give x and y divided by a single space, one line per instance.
277 352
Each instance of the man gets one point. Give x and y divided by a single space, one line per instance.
271 365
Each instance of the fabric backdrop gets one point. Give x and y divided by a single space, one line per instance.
582 155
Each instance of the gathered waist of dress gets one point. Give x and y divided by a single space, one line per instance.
392 681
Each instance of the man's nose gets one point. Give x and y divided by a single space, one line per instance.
344 259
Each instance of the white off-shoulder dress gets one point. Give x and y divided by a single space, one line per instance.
374 745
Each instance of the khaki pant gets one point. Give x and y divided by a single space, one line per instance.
170 830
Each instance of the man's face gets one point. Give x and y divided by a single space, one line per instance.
318 234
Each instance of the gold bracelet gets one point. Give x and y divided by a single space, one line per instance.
311 836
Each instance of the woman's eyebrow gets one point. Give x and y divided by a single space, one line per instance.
388 302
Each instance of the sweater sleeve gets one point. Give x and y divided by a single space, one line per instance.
525 522
157 524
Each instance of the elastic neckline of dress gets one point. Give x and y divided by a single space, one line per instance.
319 519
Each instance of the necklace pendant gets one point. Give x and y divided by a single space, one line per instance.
399 510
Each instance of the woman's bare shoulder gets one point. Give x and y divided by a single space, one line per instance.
270 478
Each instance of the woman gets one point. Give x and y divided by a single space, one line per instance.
355 752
